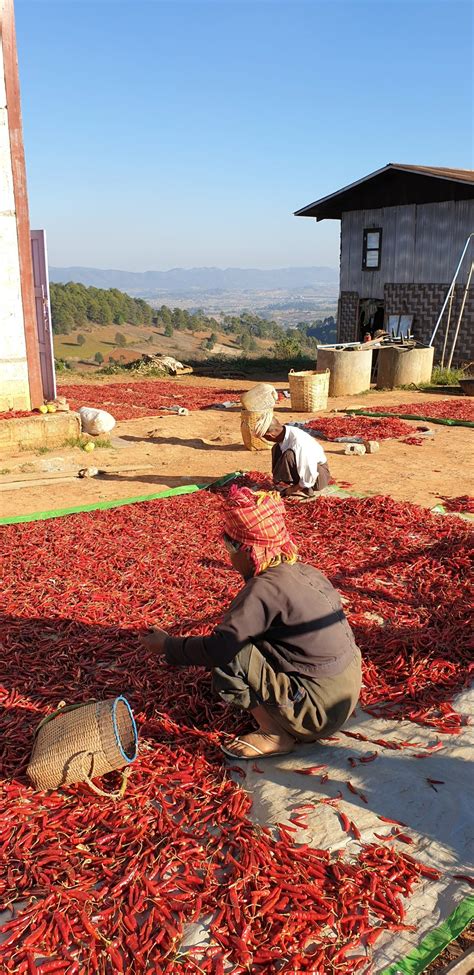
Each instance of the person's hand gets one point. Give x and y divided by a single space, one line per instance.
154 639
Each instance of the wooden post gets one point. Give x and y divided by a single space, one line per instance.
12 86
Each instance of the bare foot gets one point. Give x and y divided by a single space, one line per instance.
260 744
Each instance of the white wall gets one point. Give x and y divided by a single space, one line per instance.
14 387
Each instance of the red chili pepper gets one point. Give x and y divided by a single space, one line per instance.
344 822
355 830
32 969
312 770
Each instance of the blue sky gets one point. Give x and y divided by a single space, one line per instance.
165 134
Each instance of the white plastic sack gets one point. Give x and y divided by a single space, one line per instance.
96 422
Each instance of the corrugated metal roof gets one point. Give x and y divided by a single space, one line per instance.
456 174
395 184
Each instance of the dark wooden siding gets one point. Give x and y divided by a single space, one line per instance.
421 244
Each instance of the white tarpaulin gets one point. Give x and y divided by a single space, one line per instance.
439 818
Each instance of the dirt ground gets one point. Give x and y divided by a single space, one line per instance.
454 952
169 451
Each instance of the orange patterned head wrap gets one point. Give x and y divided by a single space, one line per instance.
256 519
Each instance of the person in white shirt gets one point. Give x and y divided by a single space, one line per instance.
299 464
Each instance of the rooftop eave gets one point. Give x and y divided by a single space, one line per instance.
393 185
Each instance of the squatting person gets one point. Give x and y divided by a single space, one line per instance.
299 464
284 650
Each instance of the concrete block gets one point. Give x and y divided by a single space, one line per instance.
32 432
371 446
355 448
398 366
349 371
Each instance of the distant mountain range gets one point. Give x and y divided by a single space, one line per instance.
195 280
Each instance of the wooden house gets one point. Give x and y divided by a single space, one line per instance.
403 230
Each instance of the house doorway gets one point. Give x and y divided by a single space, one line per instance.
371 317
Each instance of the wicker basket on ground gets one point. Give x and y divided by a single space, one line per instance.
248 419
80 742
309 390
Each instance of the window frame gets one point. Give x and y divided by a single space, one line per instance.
367 250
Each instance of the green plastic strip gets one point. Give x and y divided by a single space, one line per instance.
412 416
104 505
98 505
435 942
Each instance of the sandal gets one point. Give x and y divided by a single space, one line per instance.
258 751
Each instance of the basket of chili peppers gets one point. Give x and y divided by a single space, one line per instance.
80 742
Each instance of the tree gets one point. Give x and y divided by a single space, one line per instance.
165 314
245 341
120 340
287 348
81 339
169 330
104 313
99 358
211 341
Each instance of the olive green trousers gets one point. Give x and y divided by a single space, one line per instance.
308 708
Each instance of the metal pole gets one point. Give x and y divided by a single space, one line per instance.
466 245
458 324
448 323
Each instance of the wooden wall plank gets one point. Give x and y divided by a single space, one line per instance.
420 245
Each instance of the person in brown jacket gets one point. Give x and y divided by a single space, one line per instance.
284 650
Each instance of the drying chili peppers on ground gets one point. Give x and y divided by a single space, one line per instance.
138 399
107 887
445 409
382 428
463 503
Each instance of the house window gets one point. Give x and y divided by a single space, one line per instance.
371 249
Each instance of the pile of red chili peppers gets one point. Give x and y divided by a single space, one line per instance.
107 887
369 428
463 503
445 409
138 399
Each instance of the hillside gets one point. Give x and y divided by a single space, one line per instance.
188 281
96 327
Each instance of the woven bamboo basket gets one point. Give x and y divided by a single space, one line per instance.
248 418
309 390
80 742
